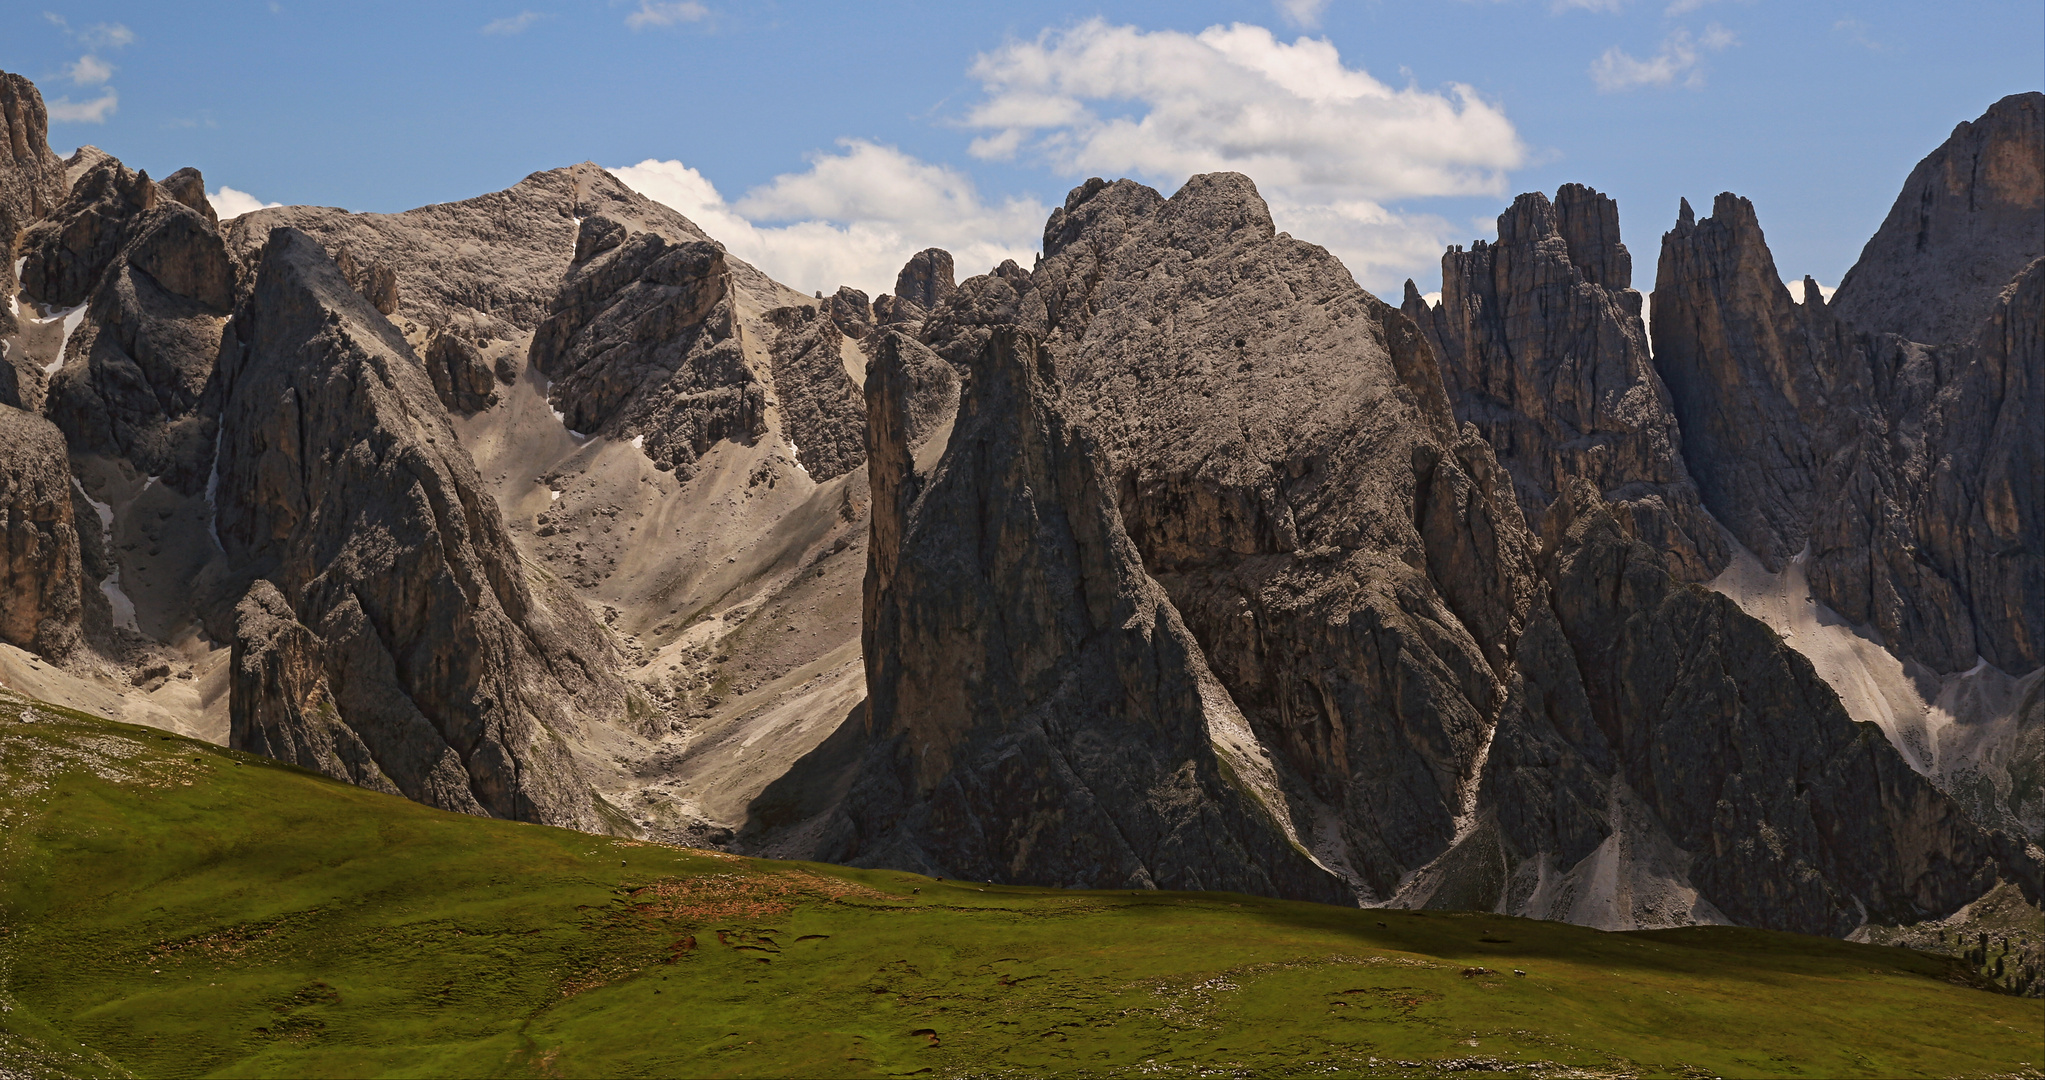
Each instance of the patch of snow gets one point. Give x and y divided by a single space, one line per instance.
795 455
124 608
213 491
72 316
553 496
574 434
638 442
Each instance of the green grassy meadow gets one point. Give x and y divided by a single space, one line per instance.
170 908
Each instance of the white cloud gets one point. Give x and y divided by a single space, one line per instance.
1329 146
229 203
1302 13
512 24
1796 290
1679 59
106 36
90 70
852 218
95 111
666 13
1609 7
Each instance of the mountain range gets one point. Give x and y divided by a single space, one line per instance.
1177 560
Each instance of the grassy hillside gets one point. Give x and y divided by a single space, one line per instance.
174 909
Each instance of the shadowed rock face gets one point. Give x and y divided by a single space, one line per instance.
1909 468
155 277
643 340
340 480
1037 713
1351 563
1750 373
39 552
1970 217
1783 811
1542 348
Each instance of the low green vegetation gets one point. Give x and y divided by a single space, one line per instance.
170 908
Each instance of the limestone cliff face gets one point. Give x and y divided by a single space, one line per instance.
1037 712
644 341
40 571
1771 807
491 266
1908 467
1543 349
1352 564
1750 372
341 482
31 175
821 406
154 276
1970 217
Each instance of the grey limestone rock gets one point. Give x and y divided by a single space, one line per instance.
32 180
1791 815
926 279
821 408
40 571
1750 372
465 382
1037 713
1970 217
187 186
341 481
1543 349
644 340
1351 562
158 287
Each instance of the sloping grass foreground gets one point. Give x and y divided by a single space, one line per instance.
174 909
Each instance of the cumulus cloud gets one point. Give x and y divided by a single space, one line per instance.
1796 290
1302 13
512 24
1680 59
95 111
1329 145
658 13
90 70
230 203
852 218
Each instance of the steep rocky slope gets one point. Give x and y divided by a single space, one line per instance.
1542 347
1036 711
1894 478
40 573
406 643
31 178
1970 217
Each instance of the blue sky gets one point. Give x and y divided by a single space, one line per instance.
826 141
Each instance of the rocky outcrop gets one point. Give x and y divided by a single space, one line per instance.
492 265
31 175
1542 348
821 408
342 482
1750 372
1932 489
40 573
1771 806
926 279
461 376
1351 563
187 186
157 286
1037 713
279 702
643 341
850 312
1970 217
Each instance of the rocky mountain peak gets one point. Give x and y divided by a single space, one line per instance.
1970 216
1543 349
926 279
